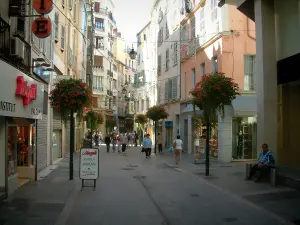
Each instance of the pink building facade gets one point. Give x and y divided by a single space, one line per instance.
217 39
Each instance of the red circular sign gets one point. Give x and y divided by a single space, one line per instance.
41 27
43 6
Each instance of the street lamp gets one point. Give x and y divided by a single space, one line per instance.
132 53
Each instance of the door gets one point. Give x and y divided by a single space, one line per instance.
56 145
169 135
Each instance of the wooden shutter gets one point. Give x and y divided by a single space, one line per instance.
98 60
174 88
166 91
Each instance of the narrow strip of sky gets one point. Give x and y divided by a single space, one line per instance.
131 17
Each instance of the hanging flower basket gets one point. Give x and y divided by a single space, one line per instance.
213 92
141 119
157 113
70 95
93 119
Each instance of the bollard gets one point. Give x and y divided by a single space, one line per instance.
248 170
273 176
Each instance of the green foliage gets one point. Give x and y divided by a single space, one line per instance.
93 119
141 119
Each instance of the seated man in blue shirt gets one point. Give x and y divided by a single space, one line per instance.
265 160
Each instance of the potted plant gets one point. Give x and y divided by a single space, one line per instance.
156 113
211 94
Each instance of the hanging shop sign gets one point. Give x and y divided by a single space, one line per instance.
43 6
41 27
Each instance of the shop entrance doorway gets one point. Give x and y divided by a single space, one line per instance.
56 145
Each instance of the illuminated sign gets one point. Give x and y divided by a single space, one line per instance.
24 90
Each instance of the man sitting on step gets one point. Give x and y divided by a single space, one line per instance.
265 160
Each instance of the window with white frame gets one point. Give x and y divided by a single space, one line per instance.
75 11
249 74
70 3
159 64
175 53
202 69
214 64
214 10
63 3
193 28
98 83
202 26
147 103
143 104
62 37
167 60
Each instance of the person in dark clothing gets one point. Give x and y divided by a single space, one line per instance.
136 136
107 142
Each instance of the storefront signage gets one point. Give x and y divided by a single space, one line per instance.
43 6
41 27
7 106
89 164
20 95
169 124
24 90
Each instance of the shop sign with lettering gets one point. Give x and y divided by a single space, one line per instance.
24 90
41 27
43 6
20 95
89 164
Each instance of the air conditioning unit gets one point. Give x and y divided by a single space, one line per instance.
17 48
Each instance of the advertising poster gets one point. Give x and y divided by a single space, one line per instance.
89 164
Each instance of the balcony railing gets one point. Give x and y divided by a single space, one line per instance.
14 51
98 89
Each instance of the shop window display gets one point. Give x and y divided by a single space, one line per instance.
199 136
20 144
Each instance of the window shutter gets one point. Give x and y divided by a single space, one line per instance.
174 88
62 41
166 91
170 89
56 19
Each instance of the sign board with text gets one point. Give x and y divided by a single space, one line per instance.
20 95
89 164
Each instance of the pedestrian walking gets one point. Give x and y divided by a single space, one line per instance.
147 145
119 142
107 141
114 141
177 145
124 141
96 139
136 136
129 140
160 143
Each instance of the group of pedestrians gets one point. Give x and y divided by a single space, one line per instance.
120 141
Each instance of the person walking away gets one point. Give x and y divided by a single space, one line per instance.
100 138
147 145
136 136
114 141
177 145
107 141
119 142
159 142
128 140
124 141
96 139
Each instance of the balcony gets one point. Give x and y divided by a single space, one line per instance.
14 50
98 70
109 73
109 93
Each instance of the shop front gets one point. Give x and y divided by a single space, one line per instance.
21 104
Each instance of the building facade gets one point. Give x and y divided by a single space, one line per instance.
104 71
145 78
165 27
20 112
277 90
217 39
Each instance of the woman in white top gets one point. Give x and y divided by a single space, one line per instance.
177 145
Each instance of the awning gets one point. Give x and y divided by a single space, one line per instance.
20 121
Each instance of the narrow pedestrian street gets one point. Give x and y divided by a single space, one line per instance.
133 190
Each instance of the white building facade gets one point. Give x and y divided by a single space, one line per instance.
166 16
145 78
